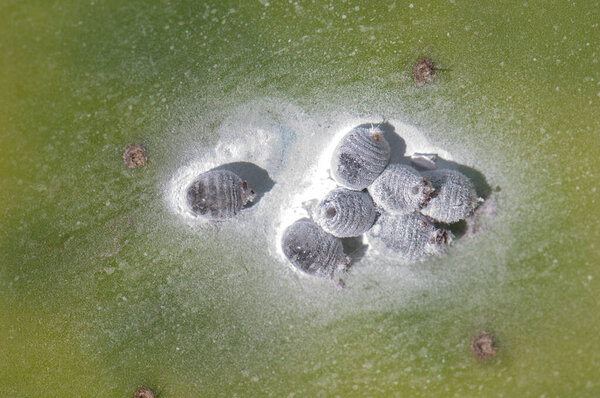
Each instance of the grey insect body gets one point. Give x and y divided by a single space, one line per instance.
360 157
312 250
455 197
218 194
345 213
401 189
410 236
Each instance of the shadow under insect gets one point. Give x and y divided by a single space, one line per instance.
355 248
256 177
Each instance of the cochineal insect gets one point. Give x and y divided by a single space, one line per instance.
218 194
401 189
410 236
345 213
359 157
312 250
455 197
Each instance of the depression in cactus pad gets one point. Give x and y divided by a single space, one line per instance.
107 284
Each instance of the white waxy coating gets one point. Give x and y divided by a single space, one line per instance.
455 197
410 236
345 213
424 160
218 194
312 250
401 189
359 158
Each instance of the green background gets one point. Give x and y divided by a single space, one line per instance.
103 289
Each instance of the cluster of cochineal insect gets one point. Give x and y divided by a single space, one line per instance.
403 212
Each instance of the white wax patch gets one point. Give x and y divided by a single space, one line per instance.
248 135
296 152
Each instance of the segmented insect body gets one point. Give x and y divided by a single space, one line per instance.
312 250
401 189
345 213
360 157
410 236
218 194
455 197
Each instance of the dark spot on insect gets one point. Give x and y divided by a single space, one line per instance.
349 166
244 185
143 392
330 213
135 156
424 72
196 196
377 137
429 192
483 346
301 254
442 237
424 202
415 190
